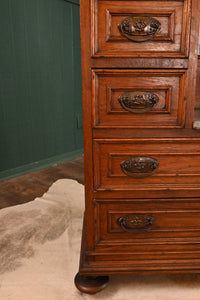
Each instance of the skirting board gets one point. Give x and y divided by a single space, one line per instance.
45 163
76 2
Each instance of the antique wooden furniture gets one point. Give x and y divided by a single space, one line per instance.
142 155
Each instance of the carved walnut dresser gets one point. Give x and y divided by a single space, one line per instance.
142 155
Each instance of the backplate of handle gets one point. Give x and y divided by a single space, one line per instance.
139 167
136 223
140 28
138 102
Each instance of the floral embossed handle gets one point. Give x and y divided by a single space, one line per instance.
136 223
139 29
138 102
139 167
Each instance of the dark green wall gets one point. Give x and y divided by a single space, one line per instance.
40 84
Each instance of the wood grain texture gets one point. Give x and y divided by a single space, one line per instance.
160 144
87 119
176 221
179 164
171 40
168 85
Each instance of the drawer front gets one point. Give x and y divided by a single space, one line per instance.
139 98
144 164
148 222
140 28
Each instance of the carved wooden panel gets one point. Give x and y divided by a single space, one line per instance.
117 91
165 222
162 29
179 164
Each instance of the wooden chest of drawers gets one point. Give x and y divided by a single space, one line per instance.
142 155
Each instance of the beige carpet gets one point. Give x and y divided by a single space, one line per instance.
39 254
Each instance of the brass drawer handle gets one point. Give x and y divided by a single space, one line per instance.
136 223
139 167
138 102
139 29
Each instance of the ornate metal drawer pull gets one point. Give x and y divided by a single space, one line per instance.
136 223
139 167
138 102
139 29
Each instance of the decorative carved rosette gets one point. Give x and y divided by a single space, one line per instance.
139 167
139 29
136 223
138 102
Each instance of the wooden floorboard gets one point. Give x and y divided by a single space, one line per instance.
27 187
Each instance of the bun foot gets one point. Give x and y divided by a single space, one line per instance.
90 284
